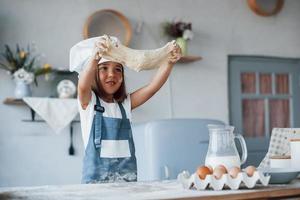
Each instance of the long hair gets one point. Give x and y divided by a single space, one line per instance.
120 95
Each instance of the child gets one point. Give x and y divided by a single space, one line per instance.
105 113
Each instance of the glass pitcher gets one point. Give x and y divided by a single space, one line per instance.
222 149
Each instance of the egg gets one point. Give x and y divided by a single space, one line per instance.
210 168
250 170
234 171
221 167
202 171
218 173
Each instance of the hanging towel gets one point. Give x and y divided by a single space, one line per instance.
58 113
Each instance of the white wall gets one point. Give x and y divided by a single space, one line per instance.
31 154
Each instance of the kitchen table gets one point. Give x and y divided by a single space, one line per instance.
146 190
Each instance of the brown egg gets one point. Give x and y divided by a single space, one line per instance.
218 172
234 171
250 170
210 168
202 171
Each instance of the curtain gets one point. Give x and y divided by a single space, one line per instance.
253 110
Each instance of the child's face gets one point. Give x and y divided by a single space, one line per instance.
111 78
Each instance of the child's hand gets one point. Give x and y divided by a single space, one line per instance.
100 48
175 55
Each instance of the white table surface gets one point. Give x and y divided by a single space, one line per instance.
135 190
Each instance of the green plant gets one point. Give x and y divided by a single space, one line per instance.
14 61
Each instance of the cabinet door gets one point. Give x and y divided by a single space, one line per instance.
264 93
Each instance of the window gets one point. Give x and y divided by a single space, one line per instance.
263 94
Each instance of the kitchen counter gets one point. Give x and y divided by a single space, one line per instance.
145 190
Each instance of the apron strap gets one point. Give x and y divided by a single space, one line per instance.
122 111
98 123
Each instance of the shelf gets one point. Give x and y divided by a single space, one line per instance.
187 59
14 101
62 72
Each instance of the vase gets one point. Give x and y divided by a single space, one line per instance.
22 89
182 43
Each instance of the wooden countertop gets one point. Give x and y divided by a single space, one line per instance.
146 190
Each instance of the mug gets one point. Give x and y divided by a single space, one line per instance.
295 153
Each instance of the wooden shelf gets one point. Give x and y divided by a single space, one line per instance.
187 59
14 101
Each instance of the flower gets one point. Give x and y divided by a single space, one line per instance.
22 65
178 29
188 34
23 75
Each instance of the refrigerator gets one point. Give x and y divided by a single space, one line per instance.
164 148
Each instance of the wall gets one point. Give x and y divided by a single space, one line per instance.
31 154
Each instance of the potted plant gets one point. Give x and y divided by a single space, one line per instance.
23 67
181 31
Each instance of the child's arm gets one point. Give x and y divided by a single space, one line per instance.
85 81
86 78
143 94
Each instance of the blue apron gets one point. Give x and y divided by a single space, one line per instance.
107 136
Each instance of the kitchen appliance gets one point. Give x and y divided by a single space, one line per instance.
164 148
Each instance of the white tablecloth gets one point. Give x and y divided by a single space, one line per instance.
58 113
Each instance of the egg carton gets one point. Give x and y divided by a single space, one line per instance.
242 179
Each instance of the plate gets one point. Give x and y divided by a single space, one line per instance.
280 175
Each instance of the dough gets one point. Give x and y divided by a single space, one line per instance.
134 59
